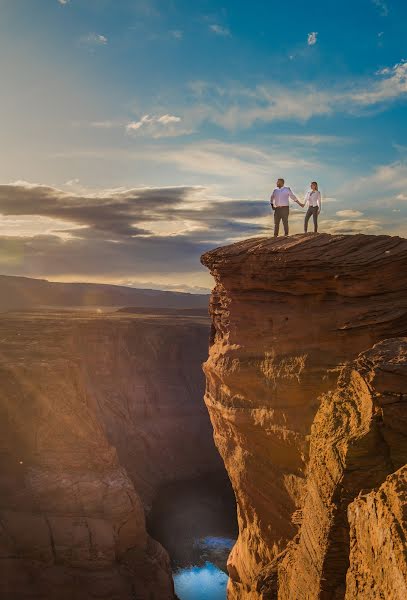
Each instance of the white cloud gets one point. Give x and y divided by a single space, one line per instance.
393 85
63 2
389 178
312 38
237 107
105 124
93 39
382 7
384 188
243 165
349 213
177 34
158 126
166 119
313 139
220 30
347 226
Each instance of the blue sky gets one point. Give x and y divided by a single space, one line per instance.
177 117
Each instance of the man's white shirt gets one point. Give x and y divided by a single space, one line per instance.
313 198
281 196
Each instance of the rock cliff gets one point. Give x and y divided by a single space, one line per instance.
378 534
286 315
358 438
96 412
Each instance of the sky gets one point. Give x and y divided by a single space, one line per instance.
137 134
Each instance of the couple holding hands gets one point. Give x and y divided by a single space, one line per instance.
280 204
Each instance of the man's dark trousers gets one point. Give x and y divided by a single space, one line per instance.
281 214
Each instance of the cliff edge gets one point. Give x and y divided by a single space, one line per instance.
287 314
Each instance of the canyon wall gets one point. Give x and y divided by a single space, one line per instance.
286 315
378 535
358 438
96 412
147 388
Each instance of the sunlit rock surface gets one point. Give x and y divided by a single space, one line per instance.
378 542
286 314
95 413
359 436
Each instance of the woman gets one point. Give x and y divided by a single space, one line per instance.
313 198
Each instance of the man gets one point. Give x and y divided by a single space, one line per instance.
280 203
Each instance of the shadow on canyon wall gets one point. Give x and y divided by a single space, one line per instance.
101 418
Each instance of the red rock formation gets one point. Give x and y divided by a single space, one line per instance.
75 388
147 388
358 437
378 542
286 313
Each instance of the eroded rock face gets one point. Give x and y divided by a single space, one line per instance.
80 398
286 314
378 533
147 388
359 436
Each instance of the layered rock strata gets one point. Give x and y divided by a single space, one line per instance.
378 542
358 438
81 397
286 314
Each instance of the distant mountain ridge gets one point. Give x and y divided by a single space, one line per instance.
18 293
180 312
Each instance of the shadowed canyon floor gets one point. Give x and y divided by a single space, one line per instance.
287 315
98 413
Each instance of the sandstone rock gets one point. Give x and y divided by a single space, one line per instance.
285 314
378 542
357 439
80 397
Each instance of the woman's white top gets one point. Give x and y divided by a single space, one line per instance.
313 198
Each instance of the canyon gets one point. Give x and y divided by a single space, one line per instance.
106 428
307 393
98 412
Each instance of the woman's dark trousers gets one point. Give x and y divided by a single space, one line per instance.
311 212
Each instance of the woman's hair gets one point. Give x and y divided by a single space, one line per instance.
314 183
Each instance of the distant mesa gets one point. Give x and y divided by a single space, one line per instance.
181 312
21 293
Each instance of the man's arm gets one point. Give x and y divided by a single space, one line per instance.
293 196
272 200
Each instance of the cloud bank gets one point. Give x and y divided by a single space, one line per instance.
120 234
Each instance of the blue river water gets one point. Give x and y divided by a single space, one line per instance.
206 582
195 521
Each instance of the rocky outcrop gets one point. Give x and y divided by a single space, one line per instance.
286 314
378 542
96 412
359 436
